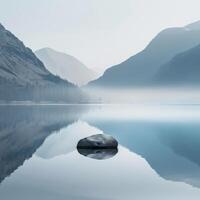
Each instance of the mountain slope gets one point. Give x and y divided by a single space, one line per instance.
24 77
65 66
140 69
183 69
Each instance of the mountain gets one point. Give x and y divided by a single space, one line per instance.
66 66
183 69
140 69
24 77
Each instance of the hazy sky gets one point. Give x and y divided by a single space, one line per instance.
100 33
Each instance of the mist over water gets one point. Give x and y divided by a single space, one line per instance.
149 95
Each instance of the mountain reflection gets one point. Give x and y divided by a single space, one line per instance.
24 128
171 148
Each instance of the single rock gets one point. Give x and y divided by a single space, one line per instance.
98 154
99 141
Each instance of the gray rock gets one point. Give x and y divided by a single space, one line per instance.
99 141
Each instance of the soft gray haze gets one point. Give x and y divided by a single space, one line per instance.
100 33
66 66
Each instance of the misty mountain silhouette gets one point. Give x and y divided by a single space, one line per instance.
142 68
65 66
182 70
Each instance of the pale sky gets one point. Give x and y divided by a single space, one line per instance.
100 33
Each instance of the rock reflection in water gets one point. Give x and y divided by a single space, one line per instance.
98 154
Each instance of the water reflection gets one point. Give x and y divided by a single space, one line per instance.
98 154
172 148
156 158
65 141
24 128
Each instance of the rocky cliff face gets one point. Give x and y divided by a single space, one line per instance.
18 63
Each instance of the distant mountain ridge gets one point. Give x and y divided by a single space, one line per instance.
142 68
24 77
183 69
66 66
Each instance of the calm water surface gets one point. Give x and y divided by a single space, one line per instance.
158 156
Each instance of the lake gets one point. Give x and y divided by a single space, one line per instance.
158 155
